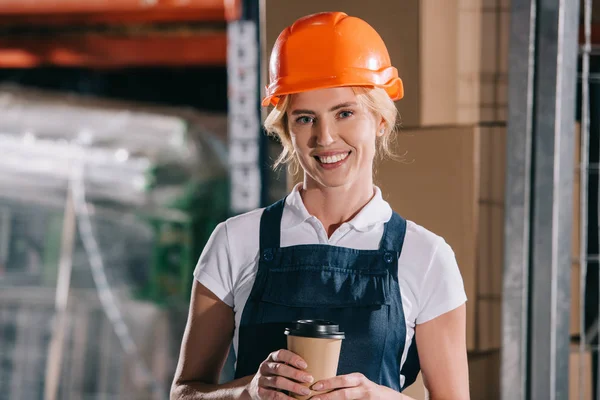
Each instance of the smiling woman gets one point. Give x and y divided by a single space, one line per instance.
332 250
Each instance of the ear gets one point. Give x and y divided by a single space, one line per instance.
381 128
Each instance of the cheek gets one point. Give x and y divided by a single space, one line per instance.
365 140
363 133
300 139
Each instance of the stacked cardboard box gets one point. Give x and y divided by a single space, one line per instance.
580 374
416 390
484 365
437 187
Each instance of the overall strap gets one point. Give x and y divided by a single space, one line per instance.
270 225
393 234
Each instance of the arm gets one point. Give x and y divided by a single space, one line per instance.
204 350
443 355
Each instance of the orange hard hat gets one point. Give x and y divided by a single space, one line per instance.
330 49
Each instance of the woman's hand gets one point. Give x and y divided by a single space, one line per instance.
352 387
281 371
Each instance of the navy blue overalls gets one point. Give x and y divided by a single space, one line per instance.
358 289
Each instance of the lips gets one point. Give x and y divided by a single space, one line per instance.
332 158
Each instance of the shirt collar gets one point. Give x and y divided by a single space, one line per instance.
375 212
298 213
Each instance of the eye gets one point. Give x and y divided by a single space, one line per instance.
345 114
304 120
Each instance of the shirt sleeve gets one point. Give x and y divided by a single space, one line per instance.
442 289
214 269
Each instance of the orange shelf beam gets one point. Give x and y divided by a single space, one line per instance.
102 51
53 12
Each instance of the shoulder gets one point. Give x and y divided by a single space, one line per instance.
229 255
428 267
241 235
422 244
234 241
426 255
243 223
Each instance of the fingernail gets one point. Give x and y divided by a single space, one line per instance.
305 391
318 386
308 379
315 398
301 364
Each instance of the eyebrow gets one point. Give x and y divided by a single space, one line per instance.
336 107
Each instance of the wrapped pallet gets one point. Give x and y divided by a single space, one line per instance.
148 186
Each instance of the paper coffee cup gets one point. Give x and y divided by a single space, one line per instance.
319 343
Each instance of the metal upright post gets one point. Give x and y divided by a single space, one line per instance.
552 222
246 140
517 200
247 143
540 149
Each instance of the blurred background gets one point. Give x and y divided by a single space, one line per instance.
130 129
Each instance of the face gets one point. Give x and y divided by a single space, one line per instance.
333 136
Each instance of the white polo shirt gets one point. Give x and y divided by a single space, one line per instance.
428 275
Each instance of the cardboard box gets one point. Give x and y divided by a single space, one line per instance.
576 241
489 324
493 69
434 46
490 251
490 237
484 375
437 187
580 379
468 61
493 163
575 319
416 390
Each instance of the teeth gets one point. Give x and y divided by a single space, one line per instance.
333 159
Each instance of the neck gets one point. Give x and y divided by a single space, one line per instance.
336 205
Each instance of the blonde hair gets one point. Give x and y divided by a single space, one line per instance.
375 100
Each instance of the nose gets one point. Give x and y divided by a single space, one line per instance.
324 133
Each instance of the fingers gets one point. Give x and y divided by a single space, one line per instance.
343 394
274 368
269 394
282 371
286 356
281 383
338 382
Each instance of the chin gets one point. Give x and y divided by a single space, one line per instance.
333 181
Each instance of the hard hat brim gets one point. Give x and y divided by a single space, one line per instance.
394 89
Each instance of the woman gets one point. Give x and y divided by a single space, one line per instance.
332 249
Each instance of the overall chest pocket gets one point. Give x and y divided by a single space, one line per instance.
326 286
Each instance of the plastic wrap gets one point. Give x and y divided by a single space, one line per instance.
150 185
131 156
